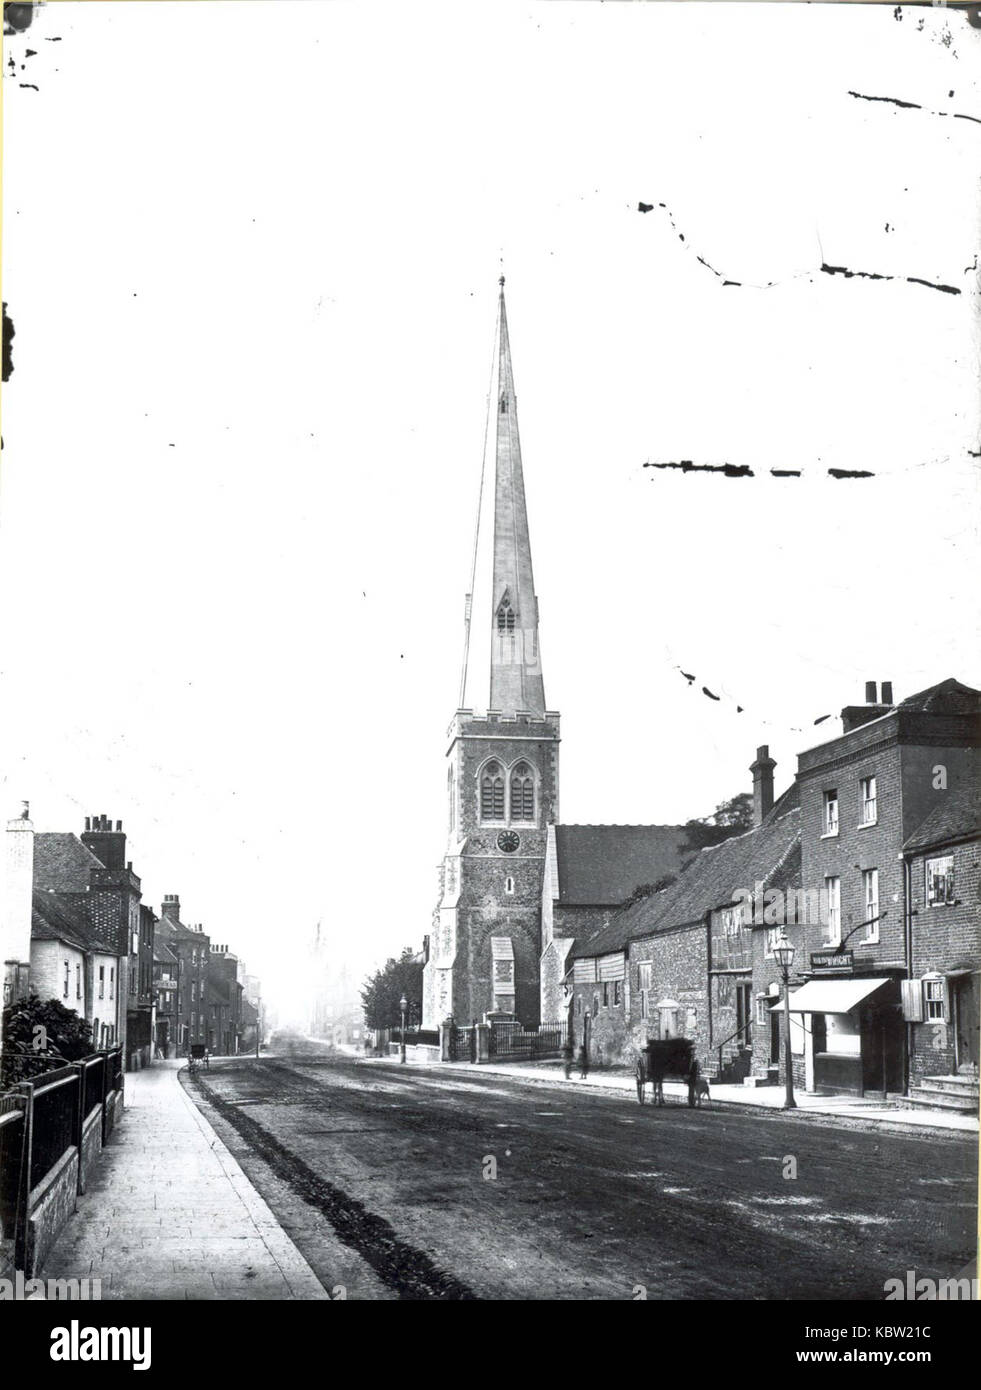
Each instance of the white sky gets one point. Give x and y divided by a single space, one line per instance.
251 254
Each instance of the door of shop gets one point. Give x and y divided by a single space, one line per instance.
964 994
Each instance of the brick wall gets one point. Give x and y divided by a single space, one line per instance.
945 937
867 847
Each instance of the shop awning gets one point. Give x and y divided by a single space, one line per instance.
829 996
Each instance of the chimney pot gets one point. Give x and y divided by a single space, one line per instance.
119 825
870 696
887 692
88 823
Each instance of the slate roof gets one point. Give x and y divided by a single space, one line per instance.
601 865
162 952
956 817
62 862
948 697
769 854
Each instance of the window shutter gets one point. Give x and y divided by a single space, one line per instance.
912 997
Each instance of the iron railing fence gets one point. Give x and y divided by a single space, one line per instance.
55 1098
513 1041
93 1071
13 1153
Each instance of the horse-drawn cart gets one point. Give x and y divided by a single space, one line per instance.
673 1057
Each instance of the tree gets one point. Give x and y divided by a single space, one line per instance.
382 991
34 1028
729 818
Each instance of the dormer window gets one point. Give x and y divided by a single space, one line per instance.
492 793
522 793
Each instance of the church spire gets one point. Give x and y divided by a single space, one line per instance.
502 584
516 673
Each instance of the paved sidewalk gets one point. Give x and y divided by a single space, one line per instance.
169 1214
760 1097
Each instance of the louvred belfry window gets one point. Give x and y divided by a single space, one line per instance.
492 793
522 793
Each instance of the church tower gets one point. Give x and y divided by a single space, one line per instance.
502 774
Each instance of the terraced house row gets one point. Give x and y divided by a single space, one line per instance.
869 864
74 928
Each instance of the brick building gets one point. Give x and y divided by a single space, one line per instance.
141 1011
166 967
679 962
224 985
941 860
863 795
89 878
191 949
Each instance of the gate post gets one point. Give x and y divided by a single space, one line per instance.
446 1042
23 1207
105 1091
482 1034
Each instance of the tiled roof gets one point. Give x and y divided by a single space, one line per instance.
769 855
601 865
957 816
162 952
62 862
54 917
949 697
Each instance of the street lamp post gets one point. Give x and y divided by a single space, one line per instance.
403 1005
783 950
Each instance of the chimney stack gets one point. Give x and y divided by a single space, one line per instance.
108 845
854 716
762 770
171 908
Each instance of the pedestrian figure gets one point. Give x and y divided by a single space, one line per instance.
583 1062
567 1059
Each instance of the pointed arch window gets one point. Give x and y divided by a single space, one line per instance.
505 617
522 792
492 792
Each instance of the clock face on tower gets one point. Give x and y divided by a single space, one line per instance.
508 841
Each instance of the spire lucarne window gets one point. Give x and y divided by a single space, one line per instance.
505 617
492 792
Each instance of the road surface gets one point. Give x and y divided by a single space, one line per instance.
439 1183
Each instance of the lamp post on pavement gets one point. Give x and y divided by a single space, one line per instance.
783 951
403 1005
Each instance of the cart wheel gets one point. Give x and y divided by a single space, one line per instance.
640 1082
